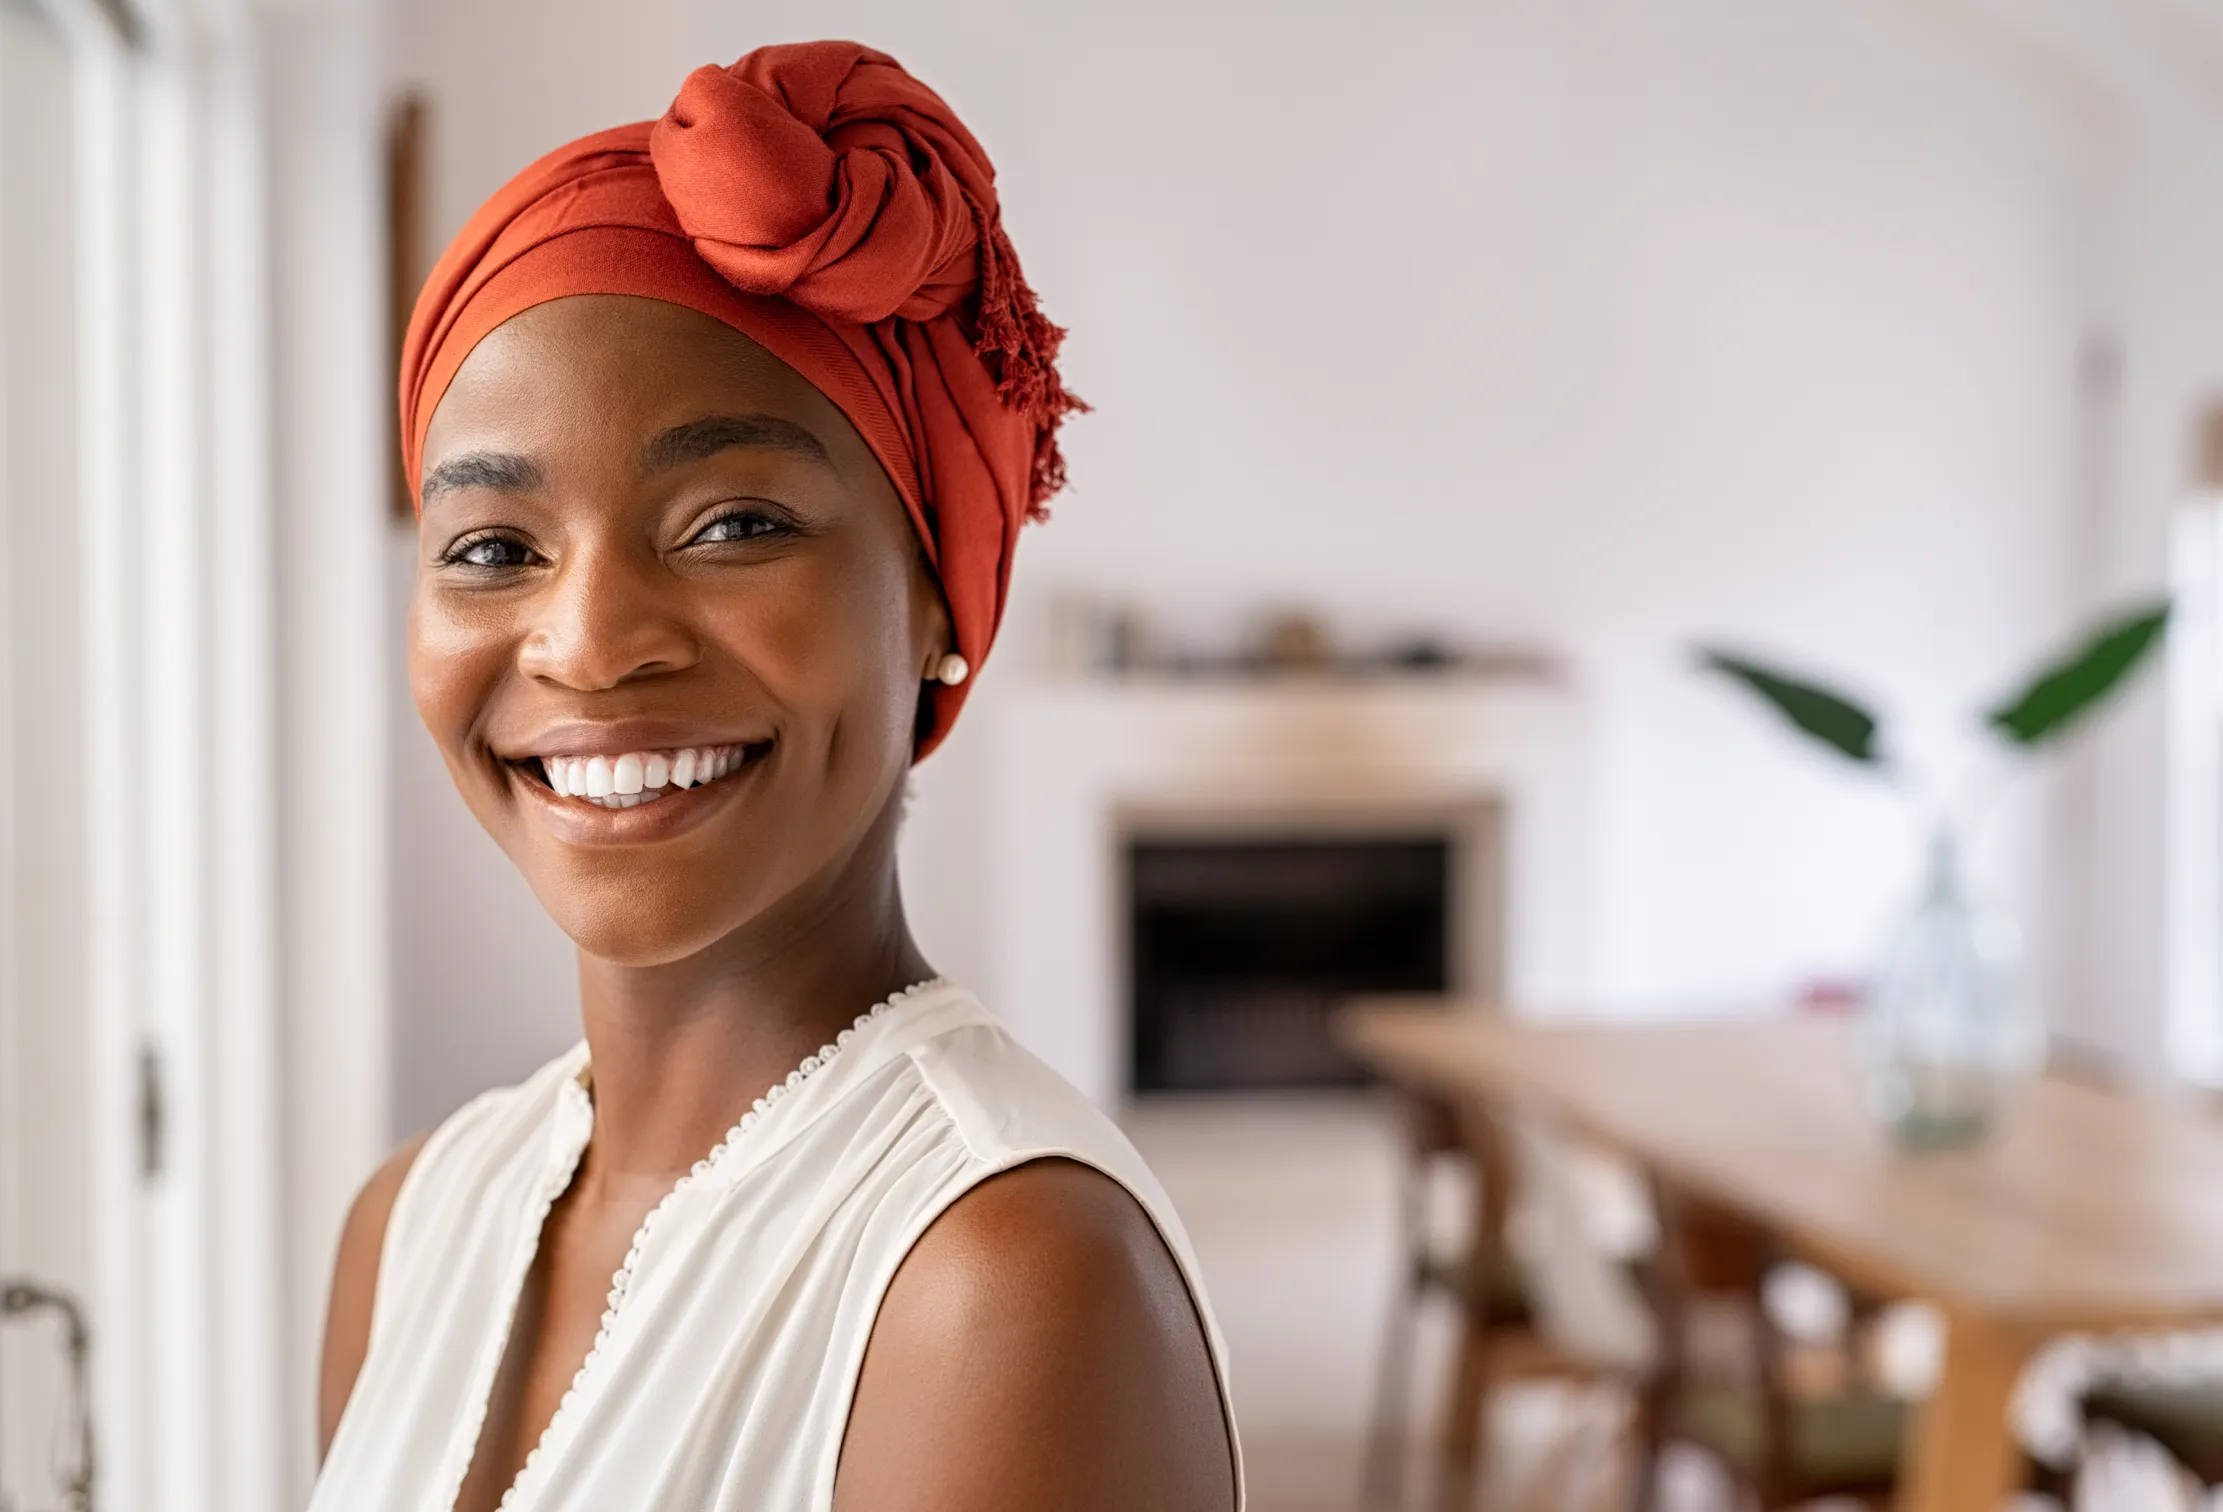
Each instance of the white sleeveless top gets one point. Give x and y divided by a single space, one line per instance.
722 1376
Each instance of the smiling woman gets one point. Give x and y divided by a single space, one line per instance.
723 431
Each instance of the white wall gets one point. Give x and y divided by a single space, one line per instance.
2177 317
1596 323
2174 314
320 76
2150 79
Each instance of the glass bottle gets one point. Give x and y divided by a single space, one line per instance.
1949 1033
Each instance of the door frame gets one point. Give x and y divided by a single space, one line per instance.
231 358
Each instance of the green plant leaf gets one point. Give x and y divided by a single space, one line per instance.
2067 690
1831 718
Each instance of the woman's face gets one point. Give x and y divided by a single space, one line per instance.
651 555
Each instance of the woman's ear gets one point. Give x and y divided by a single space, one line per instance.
934 639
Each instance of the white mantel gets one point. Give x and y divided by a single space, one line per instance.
1072 763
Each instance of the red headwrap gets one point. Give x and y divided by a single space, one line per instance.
822 201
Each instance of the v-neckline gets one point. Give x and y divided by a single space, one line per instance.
572 1128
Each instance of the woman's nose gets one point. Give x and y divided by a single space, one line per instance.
606 618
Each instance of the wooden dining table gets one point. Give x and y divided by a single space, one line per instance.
2087 1209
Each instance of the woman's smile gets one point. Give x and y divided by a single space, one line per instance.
636 777
638 796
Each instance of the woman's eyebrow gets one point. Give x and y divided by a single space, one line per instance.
707 437
505 471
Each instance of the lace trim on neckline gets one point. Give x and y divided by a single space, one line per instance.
574 1087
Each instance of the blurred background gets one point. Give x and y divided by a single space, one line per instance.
1456 370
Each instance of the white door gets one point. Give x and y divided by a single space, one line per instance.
192 664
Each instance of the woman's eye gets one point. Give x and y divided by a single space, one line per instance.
489 551
739 525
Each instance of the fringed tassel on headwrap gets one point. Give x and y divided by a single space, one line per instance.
1023 344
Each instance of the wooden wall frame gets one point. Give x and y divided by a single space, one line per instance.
406 132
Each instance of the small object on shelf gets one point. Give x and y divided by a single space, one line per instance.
1421 653
1832 996
1294 641
1092 638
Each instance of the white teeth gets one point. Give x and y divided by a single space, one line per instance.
637 777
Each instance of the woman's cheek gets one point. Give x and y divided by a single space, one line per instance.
454 665
793 630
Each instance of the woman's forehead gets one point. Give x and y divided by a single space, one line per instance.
617 369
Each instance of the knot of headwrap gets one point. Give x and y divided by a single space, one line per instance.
825 203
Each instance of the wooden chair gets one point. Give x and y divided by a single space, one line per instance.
1495 1327
1784 1440
2185 1418
1784 1444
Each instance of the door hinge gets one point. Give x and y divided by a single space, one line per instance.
153 1114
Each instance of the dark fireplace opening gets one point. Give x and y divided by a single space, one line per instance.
1241 948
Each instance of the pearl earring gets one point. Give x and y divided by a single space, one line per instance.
952 670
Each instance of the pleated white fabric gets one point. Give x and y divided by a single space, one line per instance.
723 1377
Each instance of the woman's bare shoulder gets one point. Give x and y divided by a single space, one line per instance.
1038 1347
347 1319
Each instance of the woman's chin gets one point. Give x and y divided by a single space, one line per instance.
639 921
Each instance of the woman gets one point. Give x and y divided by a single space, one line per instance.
723 429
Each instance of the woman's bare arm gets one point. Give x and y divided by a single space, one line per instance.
1038 1348
347 1319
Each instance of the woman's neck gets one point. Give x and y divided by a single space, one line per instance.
680 1050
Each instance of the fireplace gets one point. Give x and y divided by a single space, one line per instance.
1243 930
1082 780
1241 948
